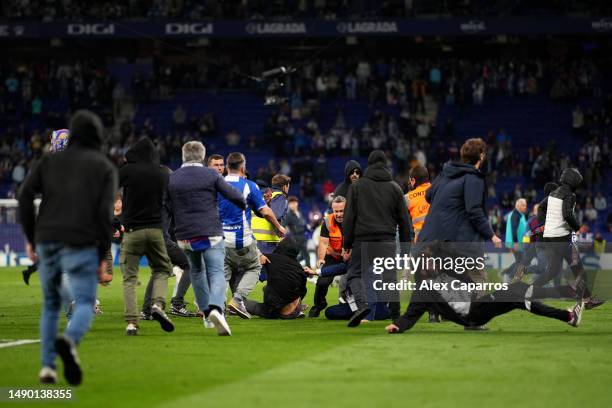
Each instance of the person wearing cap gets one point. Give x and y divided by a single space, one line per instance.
375 212
263 231
69 237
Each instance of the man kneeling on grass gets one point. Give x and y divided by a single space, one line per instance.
286 284
460 307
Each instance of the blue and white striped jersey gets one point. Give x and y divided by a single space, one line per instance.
237 223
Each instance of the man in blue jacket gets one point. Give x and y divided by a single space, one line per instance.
457 206
192 197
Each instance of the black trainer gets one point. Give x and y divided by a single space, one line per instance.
72 367
314 311
160 316
358 316
593 302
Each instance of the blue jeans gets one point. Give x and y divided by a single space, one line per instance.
79 264
208 276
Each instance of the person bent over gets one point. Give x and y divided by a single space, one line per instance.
286 284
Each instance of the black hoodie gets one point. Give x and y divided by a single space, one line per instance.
342 189
457 206
286 277
558 208
375 206
144 183
78 189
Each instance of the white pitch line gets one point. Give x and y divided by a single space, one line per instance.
16 343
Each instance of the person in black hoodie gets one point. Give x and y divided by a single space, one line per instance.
144 184
70 236
352 173
375 211
286 285
557 213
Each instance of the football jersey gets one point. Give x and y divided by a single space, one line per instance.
236 222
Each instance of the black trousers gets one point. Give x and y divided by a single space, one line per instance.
360 276
558 250
482 310
503 301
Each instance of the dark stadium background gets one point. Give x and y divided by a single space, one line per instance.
137 62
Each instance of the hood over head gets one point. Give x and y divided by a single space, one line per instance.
351 165
143 151
86 130
571 177
377 169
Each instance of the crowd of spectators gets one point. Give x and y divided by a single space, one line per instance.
48 10
403 95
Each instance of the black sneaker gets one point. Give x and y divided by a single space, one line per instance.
593 303
26 273
181 311
314 312
160 316
145 316
358 316
72 368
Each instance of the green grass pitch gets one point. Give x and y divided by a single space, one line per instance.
523 361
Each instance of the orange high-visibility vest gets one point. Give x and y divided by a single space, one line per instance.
418 206
335 236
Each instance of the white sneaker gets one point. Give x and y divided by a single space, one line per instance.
208 324
221 325
47 375
131 329
97 309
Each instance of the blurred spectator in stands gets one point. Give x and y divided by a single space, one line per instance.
307 189
579 213
350 86
328 188
478 92
600 202
577 120
232 138
37 105
179 117
19 172
590 213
